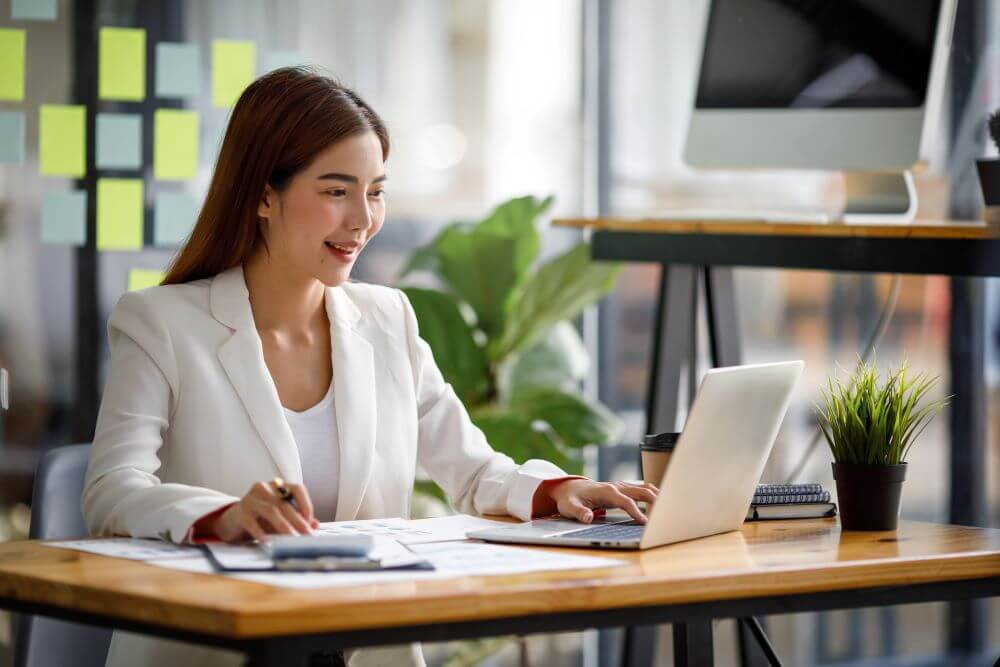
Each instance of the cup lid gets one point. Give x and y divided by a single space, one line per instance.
660 440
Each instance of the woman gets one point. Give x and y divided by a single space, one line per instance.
257 364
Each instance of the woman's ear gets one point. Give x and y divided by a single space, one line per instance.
266 201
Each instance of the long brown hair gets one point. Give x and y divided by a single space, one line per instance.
278 126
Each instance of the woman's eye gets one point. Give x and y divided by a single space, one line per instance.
378 193
337 193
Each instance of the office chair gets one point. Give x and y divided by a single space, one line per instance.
55 514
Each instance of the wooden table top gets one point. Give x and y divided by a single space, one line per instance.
763 559
928 229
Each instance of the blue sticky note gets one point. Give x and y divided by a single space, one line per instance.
178 70
119 141
278 59
11 137
174 215
33 10
64 217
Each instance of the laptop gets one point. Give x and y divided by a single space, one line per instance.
712 474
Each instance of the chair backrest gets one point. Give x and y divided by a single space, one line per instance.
55 514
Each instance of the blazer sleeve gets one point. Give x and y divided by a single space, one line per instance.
454 451
122 494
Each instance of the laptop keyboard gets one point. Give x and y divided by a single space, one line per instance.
609 531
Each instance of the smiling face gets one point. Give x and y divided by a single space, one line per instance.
317 225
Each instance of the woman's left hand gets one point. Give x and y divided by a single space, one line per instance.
580 498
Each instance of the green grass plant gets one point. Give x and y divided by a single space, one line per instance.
869 420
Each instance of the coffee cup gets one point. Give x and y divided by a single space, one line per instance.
656 450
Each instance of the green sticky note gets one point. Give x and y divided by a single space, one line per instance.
11 137
178 70
33 10
64 217
175 148
143 278
174 215
232 70
119 141
62 140
121 69
119 214
12 64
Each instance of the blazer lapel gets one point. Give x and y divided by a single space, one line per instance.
242 358
354 399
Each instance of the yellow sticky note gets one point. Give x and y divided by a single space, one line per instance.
175 148
119 214
143 278
62 140
232 70
121 70
12 64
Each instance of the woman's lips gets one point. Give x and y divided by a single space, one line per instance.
342 255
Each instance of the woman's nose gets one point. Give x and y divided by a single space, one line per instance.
362 217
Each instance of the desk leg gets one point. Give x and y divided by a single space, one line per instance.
967 348
693 644
283 654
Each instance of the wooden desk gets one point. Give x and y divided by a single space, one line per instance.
703 252
768 567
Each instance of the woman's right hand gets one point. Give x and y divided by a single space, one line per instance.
261 512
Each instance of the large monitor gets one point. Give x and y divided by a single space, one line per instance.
823 84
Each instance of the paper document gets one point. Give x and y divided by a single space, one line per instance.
251 556
450 560
418 531
133 548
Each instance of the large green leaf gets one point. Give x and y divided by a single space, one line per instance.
577 421
462 361
480 269
558 359
560 290
517 436
484 262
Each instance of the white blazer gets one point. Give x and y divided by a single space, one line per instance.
191 418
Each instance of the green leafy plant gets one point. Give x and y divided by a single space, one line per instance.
869 421
499 325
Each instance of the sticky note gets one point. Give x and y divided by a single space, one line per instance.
174 215
178 70
64 217
119 141
62 140
121 68
33 10
143 278
11 137
175 147
278 59
119 214
12 45
232 70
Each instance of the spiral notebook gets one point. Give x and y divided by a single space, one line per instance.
790 501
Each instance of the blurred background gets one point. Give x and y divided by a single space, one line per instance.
587 100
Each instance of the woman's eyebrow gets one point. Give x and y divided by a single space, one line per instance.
334 176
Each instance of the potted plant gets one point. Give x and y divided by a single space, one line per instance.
500 326
870 425
989 174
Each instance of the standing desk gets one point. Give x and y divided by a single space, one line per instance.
772 567
697 256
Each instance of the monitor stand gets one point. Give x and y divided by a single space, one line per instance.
879 197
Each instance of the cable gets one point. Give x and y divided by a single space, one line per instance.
880 328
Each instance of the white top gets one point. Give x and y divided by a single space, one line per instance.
315 432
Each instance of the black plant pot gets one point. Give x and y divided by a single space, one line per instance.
989 181
868 496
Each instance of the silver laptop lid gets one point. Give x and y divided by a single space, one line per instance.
721 452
